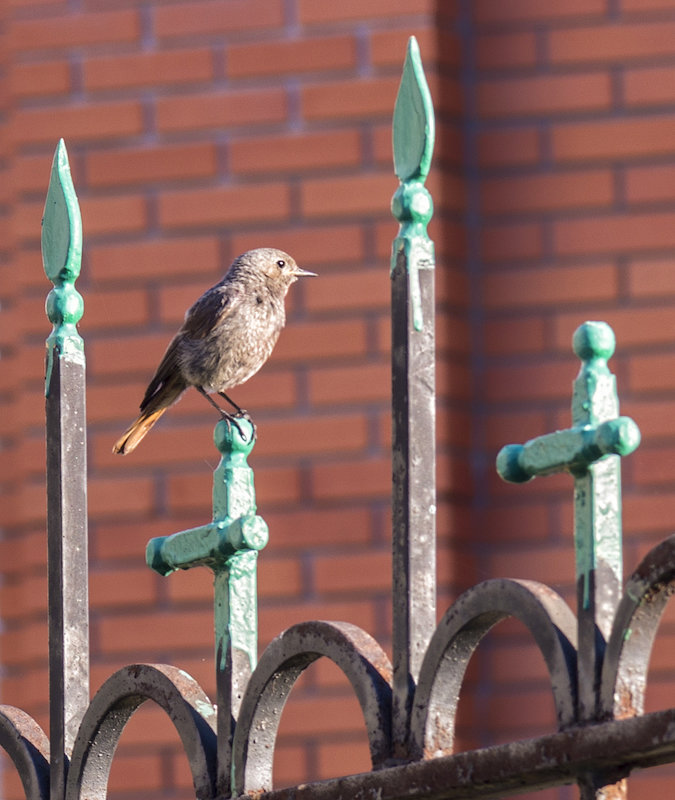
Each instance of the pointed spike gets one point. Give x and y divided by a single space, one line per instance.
61 223
413 124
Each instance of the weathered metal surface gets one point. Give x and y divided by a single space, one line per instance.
413 393
229 546
590 452
66 471
25 743
499 771
359 657
624 674
186 705
583 450
544 613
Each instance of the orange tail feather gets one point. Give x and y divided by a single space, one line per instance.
132 437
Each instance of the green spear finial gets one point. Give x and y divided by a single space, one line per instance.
413 141
61 258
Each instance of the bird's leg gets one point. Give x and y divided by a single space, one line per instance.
242 413
231 419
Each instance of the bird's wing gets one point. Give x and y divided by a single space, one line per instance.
208 312
168 372
200 319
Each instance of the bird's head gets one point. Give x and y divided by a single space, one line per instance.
275 267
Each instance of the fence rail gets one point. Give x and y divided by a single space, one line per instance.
597 659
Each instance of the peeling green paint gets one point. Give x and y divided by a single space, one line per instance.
228 545
413 143
62 259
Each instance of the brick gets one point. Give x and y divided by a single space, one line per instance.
168 163
108 309
619 43
501 242
118 355
130 495
648 511
276 617
491 11
137 772
312 246
350 479
134 70
312 435
320 11
536 381
500 51
344 758
40 79
169 256
296 529
199 111
350 291
523 334
364 572
290 763
224 205
554 285
139 588
348 99
649 86
653 465
321 341
141 632
632 6
613 139
348 195
649 184
297 152
83 123
363 383
114 214
548 94
652 415
548 192
190 18
507 147
651 372
651 278
614 233
292 56
75 30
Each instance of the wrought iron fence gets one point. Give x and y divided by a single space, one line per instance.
597 659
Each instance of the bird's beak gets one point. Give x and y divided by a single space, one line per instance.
304 273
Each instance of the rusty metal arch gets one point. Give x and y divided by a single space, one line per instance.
354 651
185 703
27 745
626 662
549 620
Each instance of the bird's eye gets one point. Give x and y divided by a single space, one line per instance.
281 263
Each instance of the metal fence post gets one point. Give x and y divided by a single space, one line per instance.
413 393
229 546
590 451
66 471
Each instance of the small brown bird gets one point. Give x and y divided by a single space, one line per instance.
226 337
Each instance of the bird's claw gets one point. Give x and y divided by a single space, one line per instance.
231 419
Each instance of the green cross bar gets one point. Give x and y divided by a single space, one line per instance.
229 546
590 451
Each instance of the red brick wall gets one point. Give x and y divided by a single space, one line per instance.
199 129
